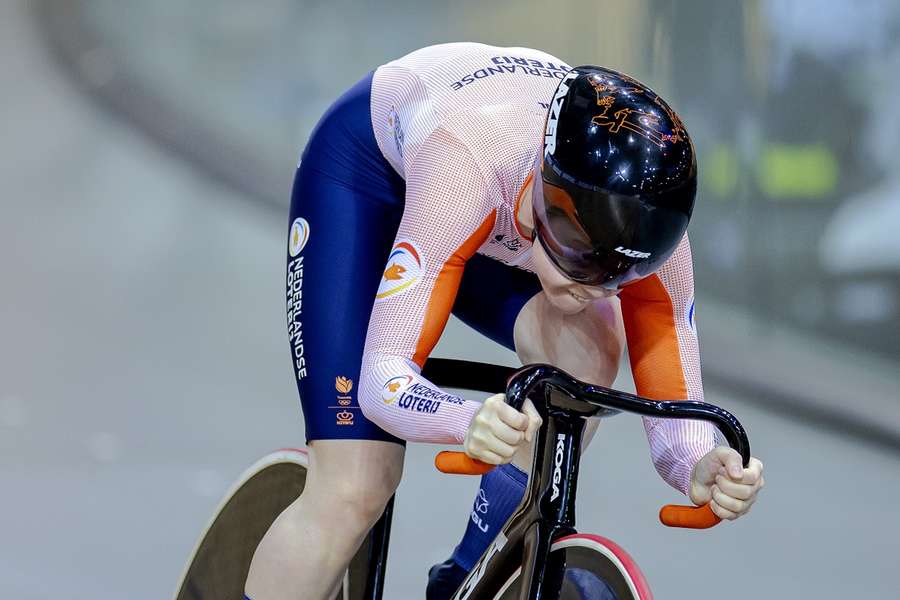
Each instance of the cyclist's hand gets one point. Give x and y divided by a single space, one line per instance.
497 430
720 479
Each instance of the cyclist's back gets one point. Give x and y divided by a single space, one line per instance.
456 86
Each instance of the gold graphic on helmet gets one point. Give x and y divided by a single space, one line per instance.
645 124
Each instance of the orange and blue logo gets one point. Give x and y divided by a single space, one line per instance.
692 323
402 272
395 386
298 237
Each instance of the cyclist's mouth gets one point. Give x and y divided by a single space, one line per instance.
579 298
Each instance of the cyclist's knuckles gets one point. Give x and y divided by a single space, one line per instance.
482 420
514 418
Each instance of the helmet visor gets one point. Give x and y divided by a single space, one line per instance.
600 239
569 246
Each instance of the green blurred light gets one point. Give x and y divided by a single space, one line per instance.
797 172
719 172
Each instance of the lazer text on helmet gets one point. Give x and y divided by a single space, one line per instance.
553 117
632 253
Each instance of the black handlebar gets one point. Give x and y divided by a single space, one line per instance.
529 382
579 399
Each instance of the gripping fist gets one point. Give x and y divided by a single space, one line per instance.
720 479
497 430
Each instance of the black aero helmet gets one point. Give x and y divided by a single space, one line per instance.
619 179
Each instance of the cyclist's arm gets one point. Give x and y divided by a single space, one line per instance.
665 361
447 216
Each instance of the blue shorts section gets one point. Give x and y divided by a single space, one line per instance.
349 202
352 201
491 296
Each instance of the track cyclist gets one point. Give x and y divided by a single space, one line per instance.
546 207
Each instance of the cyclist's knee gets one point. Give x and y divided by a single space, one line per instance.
356 486
363 499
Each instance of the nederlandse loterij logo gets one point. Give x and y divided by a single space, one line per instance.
403 270
298 237
395 386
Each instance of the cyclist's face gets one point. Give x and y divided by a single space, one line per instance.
568 296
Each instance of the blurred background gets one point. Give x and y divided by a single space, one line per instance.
148 151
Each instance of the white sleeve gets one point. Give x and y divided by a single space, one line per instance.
449 213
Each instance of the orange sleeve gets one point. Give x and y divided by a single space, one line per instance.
440 304
652 342
662 341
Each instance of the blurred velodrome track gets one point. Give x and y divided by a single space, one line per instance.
144 365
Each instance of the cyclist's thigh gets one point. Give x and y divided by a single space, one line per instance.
491 296
346 207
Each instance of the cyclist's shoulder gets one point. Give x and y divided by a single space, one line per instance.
470 73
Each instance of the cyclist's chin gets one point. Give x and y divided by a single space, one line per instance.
565 302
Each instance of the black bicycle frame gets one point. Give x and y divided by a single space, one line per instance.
547 510
378 551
